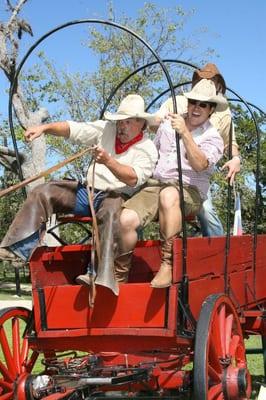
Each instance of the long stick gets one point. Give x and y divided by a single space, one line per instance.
46 172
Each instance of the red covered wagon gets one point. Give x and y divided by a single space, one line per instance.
145 342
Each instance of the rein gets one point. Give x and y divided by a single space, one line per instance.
95 240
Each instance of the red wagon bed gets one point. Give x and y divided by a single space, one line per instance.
144 340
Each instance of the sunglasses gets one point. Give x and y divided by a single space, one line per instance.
201 104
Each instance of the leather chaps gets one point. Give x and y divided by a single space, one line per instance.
58 197
111 244
43 201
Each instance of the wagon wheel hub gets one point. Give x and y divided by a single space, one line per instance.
235 382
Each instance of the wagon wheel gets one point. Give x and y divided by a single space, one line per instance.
220 366
16 360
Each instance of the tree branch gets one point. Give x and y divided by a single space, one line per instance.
8 152
15 11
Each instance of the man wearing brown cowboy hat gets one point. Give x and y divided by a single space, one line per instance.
201 146
125 159
222 121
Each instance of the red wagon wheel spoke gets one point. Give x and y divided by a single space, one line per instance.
27 366
221 333
16 359
215 392
213 374
7 352
24 351
6 396
233 345
228 332
5 373
16 343
214 356
216 335
6 385
220 367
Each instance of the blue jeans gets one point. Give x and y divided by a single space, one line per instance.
82 207
209 220
25 247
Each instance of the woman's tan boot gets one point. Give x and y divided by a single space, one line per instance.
163 278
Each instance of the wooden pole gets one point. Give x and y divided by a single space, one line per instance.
45 173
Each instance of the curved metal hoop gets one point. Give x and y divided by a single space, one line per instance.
58 28
239 98
171 89
136 71
166 73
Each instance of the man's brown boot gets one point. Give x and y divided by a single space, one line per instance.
122 267
163 278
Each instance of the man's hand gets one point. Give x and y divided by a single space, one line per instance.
33 132
125 173
233 167
178 123
101 156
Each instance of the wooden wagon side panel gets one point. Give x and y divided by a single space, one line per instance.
55 266
61 307
260 292
206 270
206 256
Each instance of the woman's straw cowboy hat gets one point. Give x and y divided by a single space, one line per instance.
132 106
205 91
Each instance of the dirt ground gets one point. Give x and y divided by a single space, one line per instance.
15 300
15 303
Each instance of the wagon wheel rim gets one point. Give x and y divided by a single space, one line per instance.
17 360
220 365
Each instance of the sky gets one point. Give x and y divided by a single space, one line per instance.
236 30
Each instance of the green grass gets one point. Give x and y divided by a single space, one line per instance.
255 361
11 295
255 364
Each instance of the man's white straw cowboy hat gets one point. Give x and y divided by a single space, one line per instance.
132 106
205 90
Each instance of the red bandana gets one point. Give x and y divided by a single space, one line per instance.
122 147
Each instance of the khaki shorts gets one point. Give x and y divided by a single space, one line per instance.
146 201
